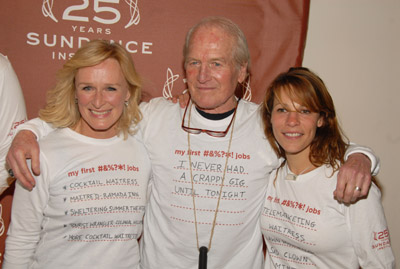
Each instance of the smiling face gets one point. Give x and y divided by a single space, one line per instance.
294 126
211 73
101 91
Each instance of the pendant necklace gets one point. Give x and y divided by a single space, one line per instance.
292 176
203 250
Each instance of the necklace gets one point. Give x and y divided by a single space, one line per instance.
291 176
204 250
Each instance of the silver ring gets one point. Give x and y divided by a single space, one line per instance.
357 188
11 173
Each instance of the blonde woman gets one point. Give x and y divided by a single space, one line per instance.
87 207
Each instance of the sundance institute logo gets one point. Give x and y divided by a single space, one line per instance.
71 13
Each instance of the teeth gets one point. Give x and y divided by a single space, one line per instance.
100 112
293 134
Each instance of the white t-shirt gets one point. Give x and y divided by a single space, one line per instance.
305 227
87 208
169 237
12 111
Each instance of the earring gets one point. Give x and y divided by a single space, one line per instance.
76 100
126 103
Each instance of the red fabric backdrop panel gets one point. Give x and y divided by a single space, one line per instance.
39 36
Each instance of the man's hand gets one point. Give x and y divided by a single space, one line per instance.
24 146
182 99
355 172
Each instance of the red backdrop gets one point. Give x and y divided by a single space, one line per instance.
38 36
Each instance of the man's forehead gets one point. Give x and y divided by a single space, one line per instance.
211 45
210 34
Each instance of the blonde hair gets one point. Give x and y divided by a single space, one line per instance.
61 110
